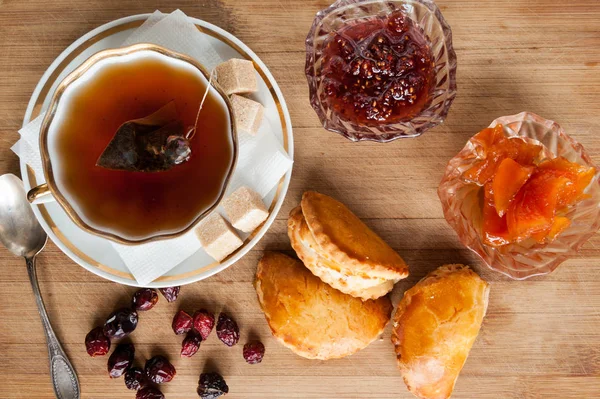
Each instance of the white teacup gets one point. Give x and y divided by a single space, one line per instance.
63 99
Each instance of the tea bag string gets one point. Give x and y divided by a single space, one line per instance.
190 134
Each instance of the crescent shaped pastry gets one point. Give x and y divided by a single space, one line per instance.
310 317
435 326
340 249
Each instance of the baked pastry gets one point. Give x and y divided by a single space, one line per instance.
435 326
336 246
310 317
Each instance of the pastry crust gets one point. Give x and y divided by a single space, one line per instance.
336 246
346 240
310 317
435 326
340 278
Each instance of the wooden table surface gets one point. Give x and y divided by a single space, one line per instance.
541 337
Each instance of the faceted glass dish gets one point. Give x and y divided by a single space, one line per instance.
461 203
426 15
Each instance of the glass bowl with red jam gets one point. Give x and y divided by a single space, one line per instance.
380 70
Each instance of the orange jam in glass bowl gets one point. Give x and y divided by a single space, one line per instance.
523 195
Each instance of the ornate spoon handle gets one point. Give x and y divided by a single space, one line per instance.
64 379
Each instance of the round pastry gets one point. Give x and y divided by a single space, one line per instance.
341 250
310 317
435 326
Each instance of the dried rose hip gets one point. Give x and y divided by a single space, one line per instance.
96 343
204 322
121 323
254 351
182 323
120 360
227 330
144 299
135 378
212 386
159 370
149 393
170 293
191 344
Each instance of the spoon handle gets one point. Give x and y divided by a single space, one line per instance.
64 379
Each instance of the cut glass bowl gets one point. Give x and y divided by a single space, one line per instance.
427 15
462 207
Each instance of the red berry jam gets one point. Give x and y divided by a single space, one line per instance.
379 71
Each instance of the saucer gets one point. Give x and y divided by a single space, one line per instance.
97 254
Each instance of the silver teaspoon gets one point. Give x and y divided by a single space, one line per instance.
21 233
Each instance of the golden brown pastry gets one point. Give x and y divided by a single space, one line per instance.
435 326
311 318
336 246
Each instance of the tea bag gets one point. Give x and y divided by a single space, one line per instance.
155 143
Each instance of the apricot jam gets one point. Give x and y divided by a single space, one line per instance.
525 194
379 71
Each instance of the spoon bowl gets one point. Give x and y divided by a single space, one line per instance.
20 231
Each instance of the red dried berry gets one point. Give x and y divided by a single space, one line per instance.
149 393
227 330
96 343
204 322
170 293
182 323
159 370
135 378
120 360
121 323
211 386
191 344
144 299
254 351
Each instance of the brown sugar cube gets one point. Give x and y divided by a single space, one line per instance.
246 209
237 76
248 114
217 237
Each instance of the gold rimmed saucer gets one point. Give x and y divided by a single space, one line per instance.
96 254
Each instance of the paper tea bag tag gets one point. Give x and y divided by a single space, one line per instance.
155 143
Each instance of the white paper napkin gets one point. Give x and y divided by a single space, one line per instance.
261 159
176 32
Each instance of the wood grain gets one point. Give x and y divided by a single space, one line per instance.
541 337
